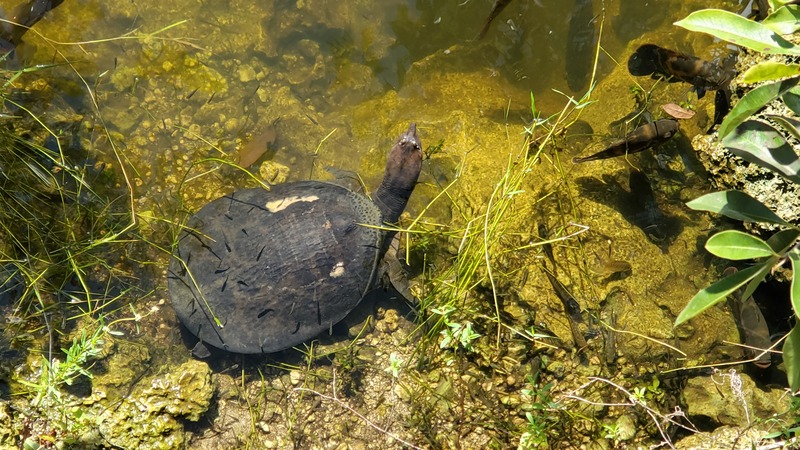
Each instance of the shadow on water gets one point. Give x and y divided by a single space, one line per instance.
636 202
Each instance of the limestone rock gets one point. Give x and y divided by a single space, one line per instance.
732 399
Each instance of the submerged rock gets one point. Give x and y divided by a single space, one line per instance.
148 418
723 437
7 432
732 399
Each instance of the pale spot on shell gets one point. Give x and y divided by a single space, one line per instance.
281 204
338 270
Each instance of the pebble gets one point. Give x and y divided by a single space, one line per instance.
295 377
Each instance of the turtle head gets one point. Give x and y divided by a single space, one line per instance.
402 170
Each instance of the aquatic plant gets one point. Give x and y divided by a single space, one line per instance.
54 373
538 416
762 143
68 223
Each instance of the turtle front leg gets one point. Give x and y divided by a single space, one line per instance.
393 273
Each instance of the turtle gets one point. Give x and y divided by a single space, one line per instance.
261 271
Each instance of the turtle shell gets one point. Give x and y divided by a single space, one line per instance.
261 271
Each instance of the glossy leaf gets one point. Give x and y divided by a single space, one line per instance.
784 20
770 71
780 243
791 357
766 265
734 28
737 205
783 240
792 100
790 124
717 292
737 246
775 4
794 255
752 102
760 143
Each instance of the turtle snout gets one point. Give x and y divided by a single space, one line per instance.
411 136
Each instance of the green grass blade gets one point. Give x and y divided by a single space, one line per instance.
717 292
737 246
737 205
736 29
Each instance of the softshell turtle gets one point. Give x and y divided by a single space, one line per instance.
259 271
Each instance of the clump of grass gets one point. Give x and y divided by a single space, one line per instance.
450 302
64 227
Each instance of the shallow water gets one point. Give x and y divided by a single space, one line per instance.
182 85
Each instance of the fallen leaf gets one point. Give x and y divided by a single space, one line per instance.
253 150
677 111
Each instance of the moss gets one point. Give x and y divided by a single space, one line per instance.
148 417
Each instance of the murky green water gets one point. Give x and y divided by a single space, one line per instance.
181 86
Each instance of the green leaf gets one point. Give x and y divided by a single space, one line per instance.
715 293
734 28
760 143
775 4
752 102
766 265
791 357
790 124
780 243
736 245
783 240
737 205
785 20
770 71
792 100
794 255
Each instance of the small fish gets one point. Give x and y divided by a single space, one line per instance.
607 268
256 148
638 140
571 306
498 7
656 61
752 326
580 44
546 247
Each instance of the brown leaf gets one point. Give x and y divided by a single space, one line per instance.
253 150
677 111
